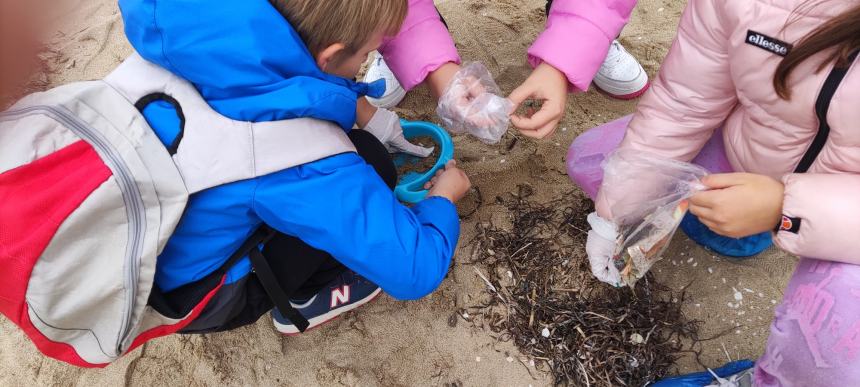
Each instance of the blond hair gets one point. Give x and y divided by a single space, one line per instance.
322 23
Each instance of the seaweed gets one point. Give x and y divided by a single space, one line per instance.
543 298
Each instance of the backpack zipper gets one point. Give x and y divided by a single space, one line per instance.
131 196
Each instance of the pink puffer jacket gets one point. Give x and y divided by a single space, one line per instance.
576 40
719 72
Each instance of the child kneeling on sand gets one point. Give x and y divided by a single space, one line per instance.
342 236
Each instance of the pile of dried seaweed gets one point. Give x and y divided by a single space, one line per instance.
544 298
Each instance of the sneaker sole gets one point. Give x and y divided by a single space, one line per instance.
316 322
388 101
625 97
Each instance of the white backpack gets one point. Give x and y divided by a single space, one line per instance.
89 197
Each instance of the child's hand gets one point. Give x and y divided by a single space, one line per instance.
550 86
450 183
739 204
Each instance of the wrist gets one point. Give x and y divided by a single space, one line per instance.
364 112
439 79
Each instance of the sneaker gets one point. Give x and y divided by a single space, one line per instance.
621 76
394 92
739 248
343 294
735 374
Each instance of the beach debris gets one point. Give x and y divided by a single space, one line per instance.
558 315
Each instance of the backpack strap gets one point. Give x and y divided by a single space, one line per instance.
822 108
213 150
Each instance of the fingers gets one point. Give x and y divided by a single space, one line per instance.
706 199
546 119
449 165
520 94
546 131
724 180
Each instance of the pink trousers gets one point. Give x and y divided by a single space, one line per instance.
815 335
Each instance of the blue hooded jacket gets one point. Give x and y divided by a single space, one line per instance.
250 65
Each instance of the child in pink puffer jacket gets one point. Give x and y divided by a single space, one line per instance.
567 57
781 80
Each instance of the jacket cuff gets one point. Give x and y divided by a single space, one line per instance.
440 213
574 46
819 210
422 46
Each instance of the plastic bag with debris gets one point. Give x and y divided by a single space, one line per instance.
472 103
648 199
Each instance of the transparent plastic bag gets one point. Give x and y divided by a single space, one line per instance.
648 201
473 104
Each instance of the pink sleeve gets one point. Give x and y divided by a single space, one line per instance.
680 112
829 216
577 37
422 46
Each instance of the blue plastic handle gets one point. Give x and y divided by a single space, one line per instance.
411 186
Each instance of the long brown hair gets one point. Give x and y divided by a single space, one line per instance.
841 33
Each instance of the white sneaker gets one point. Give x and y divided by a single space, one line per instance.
621 76
394 92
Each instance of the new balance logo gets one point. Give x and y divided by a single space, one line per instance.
767 43
339 296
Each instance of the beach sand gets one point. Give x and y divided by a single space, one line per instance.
412 343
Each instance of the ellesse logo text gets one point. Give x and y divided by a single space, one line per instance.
767 43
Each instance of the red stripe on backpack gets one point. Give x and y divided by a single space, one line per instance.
35 200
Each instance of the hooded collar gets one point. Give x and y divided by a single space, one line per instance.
243 57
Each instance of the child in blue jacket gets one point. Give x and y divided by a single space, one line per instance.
342 234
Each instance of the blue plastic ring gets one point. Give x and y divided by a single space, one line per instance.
412 191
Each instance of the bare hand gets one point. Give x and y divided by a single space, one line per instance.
739 204
549 85
450 183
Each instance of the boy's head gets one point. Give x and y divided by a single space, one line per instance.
341 33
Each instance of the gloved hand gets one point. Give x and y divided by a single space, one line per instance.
385 126
471 104
600 248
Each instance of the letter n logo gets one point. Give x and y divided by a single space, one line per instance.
339 296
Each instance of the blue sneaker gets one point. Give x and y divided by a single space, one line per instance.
345 293
735 374
730 247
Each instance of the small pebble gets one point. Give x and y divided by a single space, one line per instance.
773 302
478 359
660 9
465 315
502 162
738 331
510 275
698 305
545 332
748 290
724 280
695 264
710 270
564 129
510 359
636 338
738 295
690 260
532 363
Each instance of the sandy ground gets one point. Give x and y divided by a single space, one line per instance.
393 343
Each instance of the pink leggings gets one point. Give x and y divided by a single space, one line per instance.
815 335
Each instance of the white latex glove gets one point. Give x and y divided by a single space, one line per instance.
600 247
385 126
